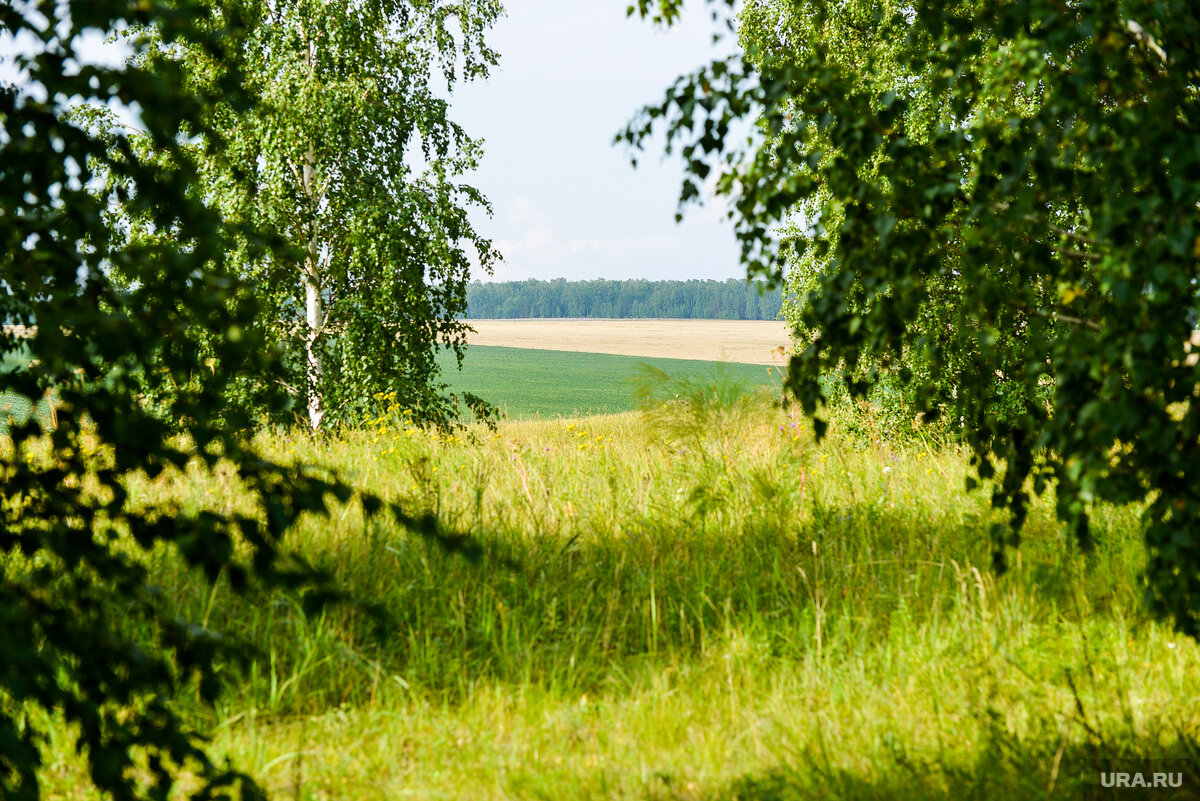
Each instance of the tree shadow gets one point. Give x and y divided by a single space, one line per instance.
1007 768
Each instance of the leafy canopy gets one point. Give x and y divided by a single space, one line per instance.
996 204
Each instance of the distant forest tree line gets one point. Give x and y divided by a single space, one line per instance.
733 299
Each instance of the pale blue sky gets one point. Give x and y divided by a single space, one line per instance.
568 204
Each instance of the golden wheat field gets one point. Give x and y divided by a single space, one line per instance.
744 341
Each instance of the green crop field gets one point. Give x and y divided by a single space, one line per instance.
527 383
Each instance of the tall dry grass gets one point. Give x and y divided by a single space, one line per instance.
694 603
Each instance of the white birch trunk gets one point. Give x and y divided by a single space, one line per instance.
316 320
315 310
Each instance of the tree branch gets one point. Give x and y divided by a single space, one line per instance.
1080 322
1145 39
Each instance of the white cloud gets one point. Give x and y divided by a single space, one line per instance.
543 252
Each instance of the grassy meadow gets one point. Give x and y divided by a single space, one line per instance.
693 602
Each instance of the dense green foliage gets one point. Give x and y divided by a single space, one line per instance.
66 648
639 299
997 204
137 336
524 383
349 154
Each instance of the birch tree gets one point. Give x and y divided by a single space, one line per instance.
350 155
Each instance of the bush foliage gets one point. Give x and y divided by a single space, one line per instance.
996 204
